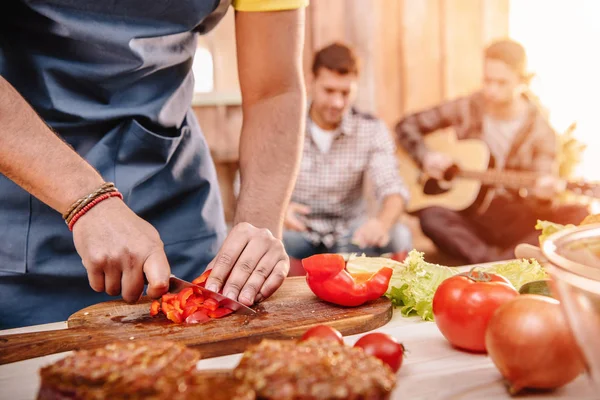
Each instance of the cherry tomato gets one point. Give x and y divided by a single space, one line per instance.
323 332
464 304
384 347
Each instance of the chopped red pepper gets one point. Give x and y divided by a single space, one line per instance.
174 316
184 295
201 280
329 280
154 308
198 317
189 310
220 312
189 305
196 300
211 304
169 297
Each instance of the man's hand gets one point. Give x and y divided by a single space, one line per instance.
292 220
548 186
372 233
117 248
436 163
250 266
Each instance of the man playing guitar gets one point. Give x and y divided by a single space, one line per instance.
519 138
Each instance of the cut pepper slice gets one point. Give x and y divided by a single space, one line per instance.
198 317
328 279
220 312
154 308
201 280
184 295
211 304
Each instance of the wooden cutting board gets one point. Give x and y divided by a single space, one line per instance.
286 315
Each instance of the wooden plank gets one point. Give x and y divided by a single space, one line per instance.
495 20
222 47
286 315
360 33
328 21
421 46
388 58
462 46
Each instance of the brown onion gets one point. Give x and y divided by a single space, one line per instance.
529 341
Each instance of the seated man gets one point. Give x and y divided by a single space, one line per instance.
341 148
519 138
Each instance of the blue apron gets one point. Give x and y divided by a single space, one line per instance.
114 79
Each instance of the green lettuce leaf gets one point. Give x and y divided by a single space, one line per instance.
519 272
412 287
548 228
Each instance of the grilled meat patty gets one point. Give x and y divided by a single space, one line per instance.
314 369
136 370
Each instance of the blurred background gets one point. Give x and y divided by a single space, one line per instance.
416 53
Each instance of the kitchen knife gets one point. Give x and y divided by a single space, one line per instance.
176 285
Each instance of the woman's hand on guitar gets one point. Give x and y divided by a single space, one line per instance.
435 164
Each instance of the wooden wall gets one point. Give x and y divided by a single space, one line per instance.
414 54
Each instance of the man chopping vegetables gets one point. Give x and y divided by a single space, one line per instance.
105 178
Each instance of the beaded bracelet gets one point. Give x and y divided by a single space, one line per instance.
90 205
106 187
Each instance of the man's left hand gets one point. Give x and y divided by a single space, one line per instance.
372 233
250 266
548 186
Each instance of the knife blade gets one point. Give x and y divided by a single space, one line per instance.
176 285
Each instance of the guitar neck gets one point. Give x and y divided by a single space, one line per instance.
508 179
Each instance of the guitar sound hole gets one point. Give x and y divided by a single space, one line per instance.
434 187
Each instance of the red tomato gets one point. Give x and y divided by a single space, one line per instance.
464 304
384 347
323 332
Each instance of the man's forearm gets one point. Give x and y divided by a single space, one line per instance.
36 159
270 150
391 209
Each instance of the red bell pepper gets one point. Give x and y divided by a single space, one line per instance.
201 280
211 304
220 312
154 308
184 295
329 280
189 305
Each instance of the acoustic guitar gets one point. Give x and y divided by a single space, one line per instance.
463 182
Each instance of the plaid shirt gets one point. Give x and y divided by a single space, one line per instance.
331 183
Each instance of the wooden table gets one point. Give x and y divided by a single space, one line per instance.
433 370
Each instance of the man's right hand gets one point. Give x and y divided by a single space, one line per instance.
117 248
436 163
292 221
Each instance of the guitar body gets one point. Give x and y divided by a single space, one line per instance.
460 193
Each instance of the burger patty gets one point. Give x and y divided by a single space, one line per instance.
314 369
136 370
